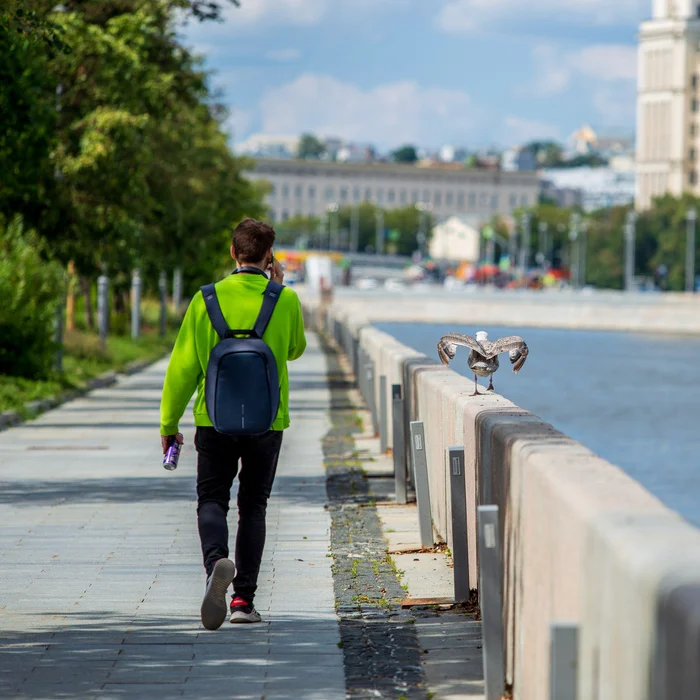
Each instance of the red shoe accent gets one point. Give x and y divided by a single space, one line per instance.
239 602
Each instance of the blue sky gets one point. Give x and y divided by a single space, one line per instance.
431 72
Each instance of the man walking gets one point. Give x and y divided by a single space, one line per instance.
240 298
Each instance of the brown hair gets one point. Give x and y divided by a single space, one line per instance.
251 240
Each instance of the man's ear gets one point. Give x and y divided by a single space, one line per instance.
233 252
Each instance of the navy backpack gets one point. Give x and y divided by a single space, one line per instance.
242 386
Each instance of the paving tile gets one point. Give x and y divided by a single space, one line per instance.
100 568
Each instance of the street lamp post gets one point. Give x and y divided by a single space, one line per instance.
512 247
332 222
583 249
525 244
574 270
321 232
543 229
691 217
630 243
379 239
355 229
424 210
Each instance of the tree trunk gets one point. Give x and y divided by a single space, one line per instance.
88 303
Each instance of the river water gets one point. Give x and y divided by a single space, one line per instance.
633 399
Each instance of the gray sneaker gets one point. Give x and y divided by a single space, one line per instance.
214 604
243 612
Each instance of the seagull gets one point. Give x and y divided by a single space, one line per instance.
483 358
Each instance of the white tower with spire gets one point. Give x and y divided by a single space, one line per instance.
668 107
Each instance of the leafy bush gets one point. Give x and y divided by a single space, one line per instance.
30 288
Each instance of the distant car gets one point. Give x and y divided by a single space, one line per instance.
366 283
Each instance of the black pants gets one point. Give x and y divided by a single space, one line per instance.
217 466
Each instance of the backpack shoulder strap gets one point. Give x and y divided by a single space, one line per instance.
216 316
271 297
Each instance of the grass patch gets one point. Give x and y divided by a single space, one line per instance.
85 358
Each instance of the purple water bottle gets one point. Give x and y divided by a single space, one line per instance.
172 455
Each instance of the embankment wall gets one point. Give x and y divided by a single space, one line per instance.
581 541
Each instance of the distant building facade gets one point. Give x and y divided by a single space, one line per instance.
307 188
267 146
597 188
565 197
668 109
457 239
519 159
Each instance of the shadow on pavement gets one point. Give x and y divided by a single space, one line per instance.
106 655
289 490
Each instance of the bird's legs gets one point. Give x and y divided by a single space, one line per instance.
490 383
476 388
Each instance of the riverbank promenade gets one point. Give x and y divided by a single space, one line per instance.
100 568
101 576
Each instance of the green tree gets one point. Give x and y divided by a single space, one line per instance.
296 227
549 154
661 239
592 160
310 147
606 248
27 109
557 221
30 285
405 154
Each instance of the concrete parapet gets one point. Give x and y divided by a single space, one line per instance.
650 313
582 542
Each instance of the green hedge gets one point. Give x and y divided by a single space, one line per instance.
30 289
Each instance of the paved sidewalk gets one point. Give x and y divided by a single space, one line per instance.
100 568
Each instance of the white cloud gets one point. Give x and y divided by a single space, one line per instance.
607 62
466 16
389 114
264 13
298 12
601 64
517 130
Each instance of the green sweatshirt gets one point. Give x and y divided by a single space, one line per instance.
240 297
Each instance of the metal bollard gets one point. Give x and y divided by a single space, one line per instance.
371 396
177 290
136 304
163 286
361 374
399 445
422 485
383 418
102 307
563 661
460 546
355 358
491 601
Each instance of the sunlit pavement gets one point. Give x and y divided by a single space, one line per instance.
100 569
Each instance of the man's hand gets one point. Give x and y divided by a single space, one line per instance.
165 441
276 271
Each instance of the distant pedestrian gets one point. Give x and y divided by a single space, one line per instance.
240 299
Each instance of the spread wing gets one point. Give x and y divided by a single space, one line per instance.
516 348
447 347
